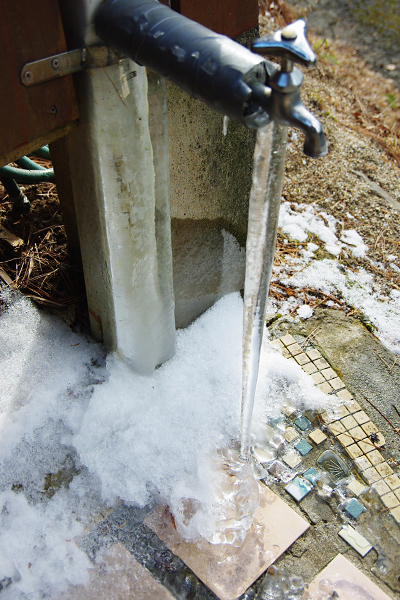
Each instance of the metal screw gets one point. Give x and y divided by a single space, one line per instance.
53 110
27 76
55 63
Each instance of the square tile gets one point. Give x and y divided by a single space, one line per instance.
291 434
395 512
381 487
384 470
292 459
227 570
277 344
321 363
354 508
294 349
390 500
356 487
286 353
310 368
345 439
318 378
302 423
365 445
336 383
336 428
346 578
303 447
312 475
349 422
287 340
380 440
317 436
362 463
328 373
299 488
374 457
345 394
393 481
117 575
371 475
314 354
369 428
352 405
357 434
325 387
288 410
341 411
355 540
302 359
361 417
354 451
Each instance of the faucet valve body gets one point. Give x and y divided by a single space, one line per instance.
284 103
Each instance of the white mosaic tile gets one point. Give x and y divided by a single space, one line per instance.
390 500
371 475
355 539
393 482
361 417
317 436
384 470
314 354
355 487
381 487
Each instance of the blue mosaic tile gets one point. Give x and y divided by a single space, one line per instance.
302 423
312 475
354 508
303 447
299 488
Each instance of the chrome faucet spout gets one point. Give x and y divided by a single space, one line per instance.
289 110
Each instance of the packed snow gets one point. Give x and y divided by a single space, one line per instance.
65 409
357 289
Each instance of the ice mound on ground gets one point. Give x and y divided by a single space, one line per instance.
142 435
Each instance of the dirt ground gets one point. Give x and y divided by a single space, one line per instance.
352 90
359 181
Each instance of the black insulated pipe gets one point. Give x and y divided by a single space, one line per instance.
208 66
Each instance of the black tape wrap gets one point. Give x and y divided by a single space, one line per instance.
208 66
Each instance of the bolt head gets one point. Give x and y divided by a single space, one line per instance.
27 76
288 33
55 63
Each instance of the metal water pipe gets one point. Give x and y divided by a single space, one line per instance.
213 68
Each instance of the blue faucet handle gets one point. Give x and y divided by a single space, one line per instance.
289 43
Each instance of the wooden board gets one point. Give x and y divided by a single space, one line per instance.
30 31
230 17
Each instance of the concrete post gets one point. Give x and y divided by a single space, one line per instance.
120 191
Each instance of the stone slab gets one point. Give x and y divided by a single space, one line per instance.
226 570
347 581
118 576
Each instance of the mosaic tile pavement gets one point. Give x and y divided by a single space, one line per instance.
348 424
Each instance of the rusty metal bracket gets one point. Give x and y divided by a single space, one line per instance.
58 65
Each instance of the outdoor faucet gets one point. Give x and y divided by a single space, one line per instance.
283 103
213 68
